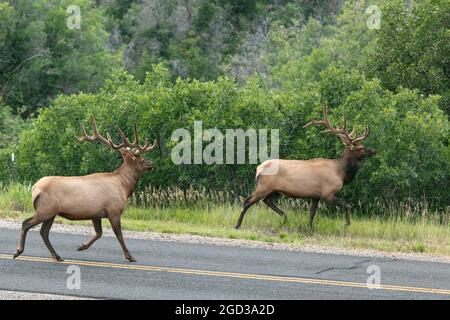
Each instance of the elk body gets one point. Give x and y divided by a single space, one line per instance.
315 179
91 197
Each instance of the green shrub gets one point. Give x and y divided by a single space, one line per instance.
409 131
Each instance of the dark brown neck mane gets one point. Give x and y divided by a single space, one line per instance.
349 165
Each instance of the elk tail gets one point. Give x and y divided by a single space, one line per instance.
260 170
36 201
258 176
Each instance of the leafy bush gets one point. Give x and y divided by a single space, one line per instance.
10 126
409 131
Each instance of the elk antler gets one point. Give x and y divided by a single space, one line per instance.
125 144
347 139
98 137
362 137
135 145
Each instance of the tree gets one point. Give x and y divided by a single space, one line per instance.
40 56
413 48
296 55
10 127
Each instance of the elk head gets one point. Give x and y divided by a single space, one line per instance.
351 140
131 152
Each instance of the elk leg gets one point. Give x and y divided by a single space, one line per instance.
338 202
26 226
97 223
269 200
45 230
312 211
247 204
115 223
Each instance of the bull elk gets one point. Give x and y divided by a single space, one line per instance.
315 179
91 197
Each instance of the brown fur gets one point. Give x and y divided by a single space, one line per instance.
91 197
315 179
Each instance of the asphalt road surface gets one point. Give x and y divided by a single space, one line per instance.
173 270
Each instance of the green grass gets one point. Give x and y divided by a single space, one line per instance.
402 230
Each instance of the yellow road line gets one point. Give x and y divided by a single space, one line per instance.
231 275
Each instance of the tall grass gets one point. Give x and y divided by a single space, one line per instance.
191 198
15 197
393 226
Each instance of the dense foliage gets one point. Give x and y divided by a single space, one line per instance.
413 48
232 64
40 56
411 162
10 128
200 38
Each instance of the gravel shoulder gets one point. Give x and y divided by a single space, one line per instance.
17 295
195 239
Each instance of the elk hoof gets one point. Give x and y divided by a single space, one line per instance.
58 258
82 247
131 259
237 227
17 253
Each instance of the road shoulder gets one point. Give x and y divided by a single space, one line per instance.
20 295
196 239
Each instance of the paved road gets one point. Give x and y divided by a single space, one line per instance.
171 270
